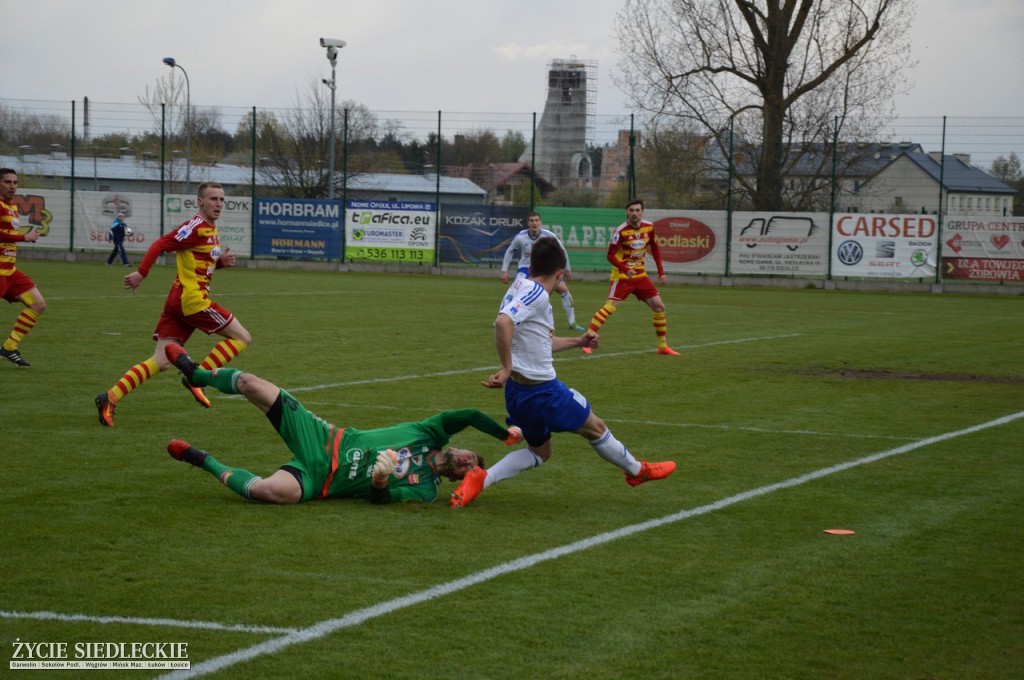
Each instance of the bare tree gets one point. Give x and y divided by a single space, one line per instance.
167 107
38 131
170 90
775 72
294 144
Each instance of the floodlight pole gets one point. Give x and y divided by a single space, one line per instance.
332 46
188 123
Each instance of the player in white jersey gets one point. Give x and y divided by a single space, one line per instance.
522 245
537 401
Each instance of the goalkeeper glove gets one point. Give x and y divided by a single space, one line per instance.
515 435
385 464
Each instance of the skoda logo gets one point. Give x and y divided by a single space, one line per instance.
850 253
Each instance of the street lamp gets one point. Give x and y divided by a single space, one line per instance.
332 45
188 124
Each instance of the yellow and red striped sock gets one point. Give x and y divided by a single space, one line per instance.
601 315
661 328
22 325
132 380
222 353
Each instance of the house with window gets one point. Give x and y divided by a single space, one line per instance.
502 182
807 170
914 180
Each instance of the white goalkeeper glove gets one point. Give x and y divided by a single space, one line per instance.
385 464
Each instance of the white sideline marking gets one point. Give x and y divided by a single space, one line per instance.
170 623
327 627
487 370
813 433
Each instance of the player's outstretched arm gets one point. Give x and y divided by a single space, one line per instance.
458 420
588 339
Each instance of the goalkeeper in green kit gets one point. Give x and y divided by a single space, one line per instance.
403 462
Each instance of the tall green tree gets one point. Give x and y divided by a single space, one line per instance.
1007 170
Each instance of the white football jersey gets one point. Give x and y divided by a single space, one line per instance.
522 244
526 304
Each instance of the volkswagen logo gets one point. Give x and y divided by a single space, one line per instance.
850 253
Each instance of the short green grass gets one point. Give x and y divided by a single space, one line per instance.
772 384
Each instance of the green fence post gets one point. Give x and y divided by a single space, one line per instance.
631 179
71 244
533 163
832 201
252 191
344 181
942 186
728 196
437 197
163 163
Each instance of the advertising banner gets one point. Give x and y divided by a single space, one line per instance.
47 213
691 241
390 231
95 210
793 244
877 245
234 226
478 234
983 248
300 228
584 233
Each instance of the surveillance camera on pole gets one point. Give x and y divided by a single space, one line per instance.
332 45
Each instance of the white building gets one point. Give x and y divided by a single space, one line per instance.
911 184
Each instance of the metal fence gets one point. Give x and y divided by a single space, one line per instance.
524 159
576 167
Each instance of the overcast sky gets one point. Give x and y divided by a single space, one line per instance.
427 55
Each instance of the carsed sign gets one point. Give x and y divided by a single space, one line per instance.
897 246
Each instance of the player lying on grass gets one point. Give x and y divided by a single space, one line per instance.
404 462
536 400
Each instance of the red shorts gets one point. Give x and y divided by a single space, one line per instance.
179 326
643 288
14 286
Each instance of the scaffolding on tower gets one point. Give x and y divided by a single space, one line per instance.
566 129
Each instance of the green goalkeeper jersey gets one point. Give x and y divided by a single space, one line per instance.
337 462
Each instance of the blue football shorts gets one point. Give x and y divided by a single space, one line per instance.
539 410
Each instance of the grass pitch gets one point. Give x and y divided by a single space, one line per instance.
721 571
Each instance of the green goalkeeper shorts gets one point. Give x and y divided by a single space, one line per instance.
310 438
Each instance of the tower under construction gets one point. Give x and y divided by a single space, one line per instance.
566 126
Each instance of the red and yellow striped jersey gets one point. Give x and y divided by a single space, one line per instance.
196 245
9 238
628 249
